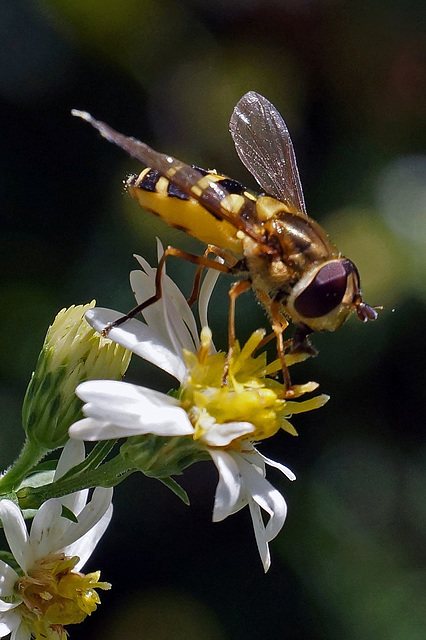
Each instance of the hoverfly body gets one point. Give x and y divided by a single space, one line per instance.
268 240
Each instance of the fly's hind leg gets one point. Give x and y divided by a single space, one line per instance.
202 261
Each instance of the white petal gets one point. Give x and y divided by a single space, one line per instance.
8 578
285 470
92 513
179 318
253 457
110 394
9 623
72 454
259 534
206 290
190 339
150 271
136 410
171 312
84 547
170 315
229 485
94 430
143 282
113 395
8 606
165 421
160 249
46 528
143 287
16 533
21 633
266 496
99 317
142 340
220 435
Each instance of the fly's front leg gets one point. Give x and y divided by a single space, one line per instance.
279 324
202 261
237 289
300 342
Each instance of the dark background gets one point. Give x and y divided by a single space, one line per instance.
349 79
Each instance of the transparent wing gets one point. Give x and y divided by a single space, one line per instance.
264 145
211 195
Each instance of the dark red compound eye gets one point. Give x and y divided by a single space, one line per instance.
325 292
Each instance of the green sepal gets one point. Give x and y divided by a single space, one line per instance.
176 488
160 456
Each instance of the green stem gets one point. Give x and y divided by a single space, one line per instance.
107 475
30 455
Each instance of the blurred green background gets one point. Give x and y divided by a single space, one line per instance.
349 78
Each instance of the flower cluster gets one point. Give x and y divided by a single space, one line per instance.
223 420
222 407
48 590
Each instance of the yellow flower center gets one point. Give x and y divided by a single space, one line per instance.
248 395
53 595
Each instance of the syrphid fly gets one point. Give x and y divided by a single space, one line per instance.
267 240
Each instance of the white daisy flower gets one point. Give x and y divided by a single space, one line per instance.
49 591
224 420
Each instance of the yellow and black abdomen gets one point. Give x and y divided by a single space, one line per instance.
157 194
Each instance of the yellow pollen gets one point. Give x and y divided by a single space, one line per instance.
249 395
53 596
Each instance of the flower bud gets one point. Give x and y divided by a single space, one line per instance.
72 353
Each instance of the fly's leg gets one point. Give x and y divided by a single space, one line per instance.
287 344
279 324
196 285
300 342
211 248
236 290
202 261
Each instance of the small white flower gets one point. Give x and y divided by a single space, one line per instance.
50 590
225 421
